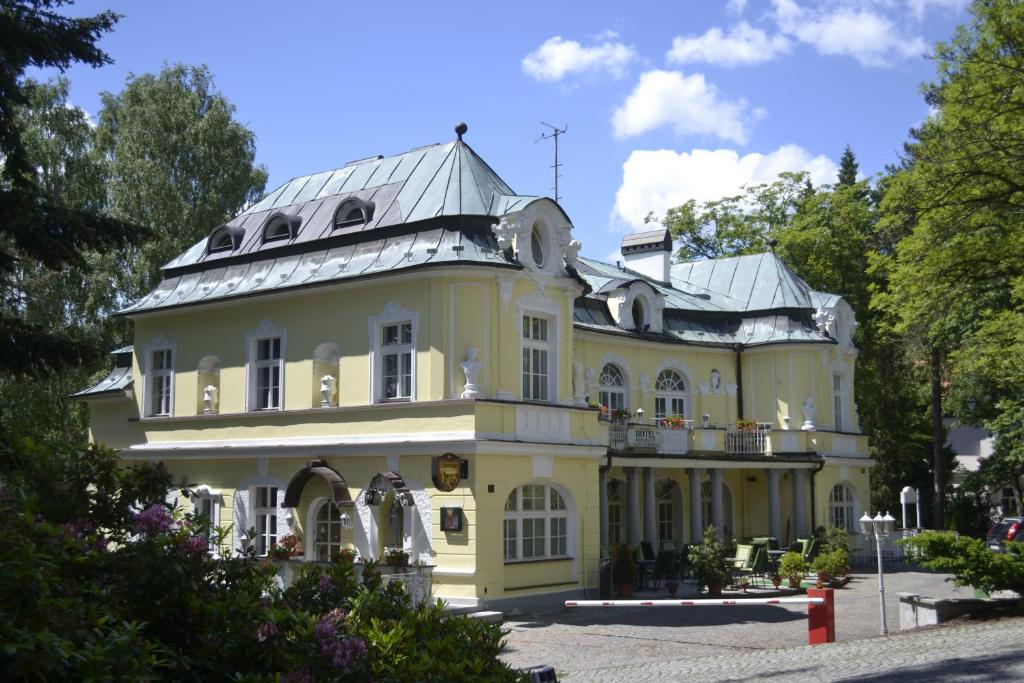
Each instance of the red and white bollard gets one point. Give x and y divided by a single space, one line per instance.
821 618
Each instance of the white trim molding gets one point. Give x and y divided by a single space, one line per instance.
157 343
265 330
391 313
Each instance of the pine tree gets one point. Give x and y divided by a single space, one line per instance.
847 168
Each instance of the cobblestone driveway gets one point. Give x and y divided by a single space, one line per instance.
725 643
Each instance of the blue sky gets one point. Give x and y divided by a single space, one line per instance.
664 101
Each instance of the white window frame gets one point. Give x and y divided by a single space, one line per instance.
605 392
269 536
265 330
392 314
516 517
615 502
669 397
666 522
547 346
161 344
344 535
848 507
206 496
401 350
838 400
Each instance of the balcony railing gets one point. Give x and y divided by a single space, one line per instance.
747 442
646 438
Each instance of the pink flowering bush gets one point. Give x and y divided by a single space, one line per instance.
102 581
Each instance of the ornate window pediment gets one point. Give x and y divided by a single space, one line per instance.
637 306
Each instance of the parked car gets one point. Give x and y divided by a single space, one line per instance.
1004 531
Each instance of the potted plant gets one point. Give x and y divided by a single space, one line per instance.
743 583
708 562
620 415
793 567
776 580
624 570
672 586
827 565
673 422
346 556
602 412
286 548
746 426
396 558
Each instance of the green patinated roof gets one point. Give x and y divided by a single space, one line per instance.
758 282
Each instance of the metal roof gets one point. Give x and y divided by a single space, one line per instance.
758 282
119 379
427 182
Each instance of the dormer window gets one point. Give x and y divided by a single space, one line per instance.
537 246
353 212
279 228
224 239
638 314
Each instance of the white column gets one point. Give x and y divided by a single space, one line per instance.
799 511
633 514
717 513
774 526
602 497
650 510
696 524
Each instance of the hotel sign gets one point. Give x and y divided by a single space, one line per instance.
446 471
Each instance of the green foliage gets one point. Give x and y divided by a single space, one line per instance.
834 562
92 589
847 175
708 561
623 565
970 561
792 566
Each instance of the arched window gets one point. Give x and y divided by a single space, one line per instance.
615 512
841 508
537 246
278 228
536 523
353 212
328 532
612 391
669 395
705 507
639 319
220 240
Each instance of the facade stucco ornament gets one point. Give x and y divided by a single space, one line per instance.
505 286
785 422
471 368
645 384
730 389
327 386
504 233
705 389
571 252
713 386
209 399
579 382
808 410
825 320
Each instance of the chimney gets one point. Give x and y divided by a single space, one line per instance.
649 253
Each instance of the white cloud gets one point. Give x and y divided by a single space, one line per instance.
744 44
690 104
919 7
857 30
557 58
736 6
657 180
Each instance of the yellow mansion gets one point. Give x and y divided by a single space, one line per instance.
405 352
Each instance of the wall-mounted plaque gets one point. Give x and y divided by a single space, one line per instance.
446 471
451 519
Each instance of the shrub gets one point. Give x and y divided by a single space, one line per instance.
969 560
792 566
623 565
708 561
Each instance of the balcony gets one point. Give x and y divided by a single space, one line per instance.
748 441
646 438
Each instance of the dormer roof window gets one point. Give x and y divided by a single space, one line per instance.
537 246
281 227
353 212
224 238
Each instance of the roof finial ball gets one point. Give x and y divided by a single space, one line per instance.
461 128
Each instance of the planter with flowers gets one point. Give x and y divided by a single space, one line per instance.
620 416
746 426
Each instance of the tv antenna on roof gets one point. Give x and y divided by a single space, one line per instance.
555 132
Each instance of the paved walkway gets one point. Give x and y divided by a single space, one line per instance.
610 644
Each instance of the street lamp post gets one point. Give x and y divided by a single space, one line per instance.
881 527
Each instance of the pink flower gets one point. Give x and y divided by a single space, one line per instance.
325 583
266 631
195 545
152 521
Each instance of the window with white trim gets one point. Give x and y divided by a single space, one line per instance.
841 504
615 512
161 382
666 512
537 354
267 373
396 345
208 506
669 395
837 400
265 517
329 530
536 524
612 389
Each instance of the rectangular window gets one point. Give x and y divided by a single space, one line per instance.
268 369
161 380
265 513
533 537
666 528
207 506
396 349
536 353
510 539
615 523
559 536
837 400
665 406
613 400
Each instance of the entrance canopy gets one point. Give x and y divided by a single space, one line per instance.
318 468
384 482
